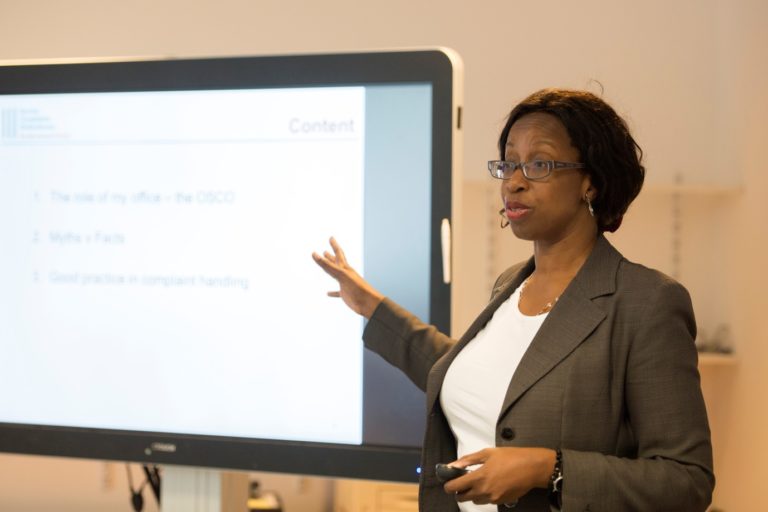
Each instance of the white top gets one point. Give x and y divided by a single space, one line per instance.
476 382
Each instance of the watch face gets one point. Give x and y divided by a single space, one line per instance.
557 485
555 494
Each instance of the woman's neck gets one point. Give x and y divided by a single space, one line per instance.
563 258
556 265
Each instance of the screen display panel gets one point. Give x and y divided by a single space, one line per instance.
159 300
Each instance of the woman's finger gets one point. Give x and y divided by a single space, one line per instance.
457 486
461 496
329 267
472 458
341 257
470 495
330 257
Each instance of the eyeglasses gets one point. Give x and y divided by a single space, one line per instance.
533 170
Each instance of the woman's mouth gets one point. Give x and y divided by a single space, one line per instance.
515 210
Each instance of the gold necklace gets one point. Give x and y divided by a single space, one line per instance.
548 306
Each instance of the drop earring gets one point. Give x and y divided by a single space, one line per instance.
589 205
504 220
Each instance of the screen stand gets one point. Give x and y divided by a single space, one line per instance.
188 489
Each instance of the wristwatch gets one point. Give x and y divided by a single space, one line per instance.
555 494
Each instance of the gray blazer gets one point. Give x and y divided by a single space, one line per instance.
611 379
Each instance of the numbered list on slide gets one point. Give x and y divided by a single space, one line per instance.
156 261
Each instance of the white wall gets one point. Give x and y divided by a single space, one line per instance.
690 76
658 61
744 105
41 484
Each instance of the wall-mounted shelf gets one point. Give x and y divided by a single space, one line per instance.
691 189
711 359
680 197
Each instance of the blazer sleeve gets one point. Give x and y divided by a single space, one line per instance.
405 341
410 344
665 409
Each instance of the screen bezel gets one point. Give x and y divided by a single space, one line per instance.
353 461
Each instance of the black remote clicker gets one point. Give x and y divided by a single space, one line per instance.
445 472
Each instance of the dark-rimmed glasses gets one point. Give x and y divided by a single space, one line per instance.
533 170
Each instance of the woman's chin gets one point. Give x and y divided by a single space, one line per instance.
522 232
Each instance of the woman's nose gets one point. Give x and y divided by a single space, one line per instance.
516 182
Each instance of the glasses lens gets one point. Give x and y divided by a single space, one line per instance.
537 169
496 168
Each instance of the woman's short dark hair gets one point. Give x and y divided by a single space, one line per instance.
601 136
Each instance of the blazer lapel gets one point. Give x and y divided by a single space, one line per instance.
437 374
569 323
503 293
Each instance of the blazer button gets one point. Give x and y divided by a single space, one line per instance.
507 433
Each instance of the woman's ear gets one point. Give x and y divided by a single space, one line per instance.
587 189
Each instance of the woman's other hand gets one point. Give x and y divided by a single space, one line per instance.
506 474
355 291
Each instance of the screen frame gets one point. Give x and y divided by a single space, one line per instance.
436 67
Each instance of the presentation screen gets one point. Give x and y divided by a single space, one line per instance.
159 302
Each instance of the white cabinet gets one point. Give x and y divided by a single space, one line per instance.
373 496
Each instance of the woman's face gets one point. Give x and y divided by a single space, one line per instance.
551 209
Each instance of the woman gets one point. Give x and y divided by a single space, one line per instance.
577 387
